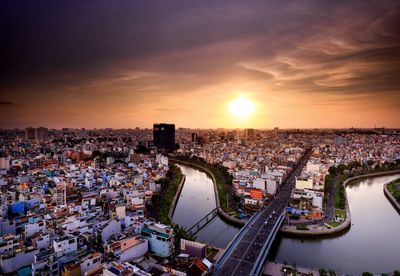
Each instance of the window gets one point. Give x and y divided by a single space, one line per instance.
71 241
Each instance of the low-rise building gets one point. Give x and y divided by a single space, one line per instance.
160 237
65 244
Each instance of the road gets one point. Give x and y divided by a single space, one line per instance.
245 252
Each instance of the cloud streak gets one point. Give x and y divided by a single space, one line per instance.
141 59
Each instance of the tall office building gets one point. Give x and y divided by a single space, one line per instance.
164 136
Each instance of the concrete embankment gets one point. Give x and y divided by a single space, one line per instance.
345 226
175 200
225 216
323 233
388 195
369 175
273 268
391 198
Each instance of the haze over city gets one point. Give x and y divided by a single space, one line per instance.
293 64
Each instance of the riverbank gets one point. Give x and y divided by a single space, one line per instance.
369 175
175 199
221 212
376 252
319 231
322 231
164 200
395 203
273 268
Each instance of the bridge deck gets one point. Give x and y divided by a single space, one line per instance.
203 222
246 254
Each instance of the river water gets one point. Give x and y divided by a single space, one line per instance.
372 244
196 200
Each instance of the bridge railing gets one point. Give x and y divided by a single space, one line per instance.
259 263
197 226
230 247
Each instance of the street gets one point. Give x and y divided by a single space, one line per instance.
257 232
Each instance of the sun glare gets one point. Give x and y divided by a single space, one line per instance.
241 107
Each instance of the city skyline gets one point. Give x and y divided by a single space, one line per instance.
299 64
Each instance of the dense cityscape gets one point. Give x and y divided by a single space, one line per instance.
87 202
194 138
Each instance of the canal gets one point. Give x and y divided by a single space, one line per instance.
196 200
372 244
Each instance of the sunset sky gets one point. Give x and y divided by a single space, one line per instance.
123 64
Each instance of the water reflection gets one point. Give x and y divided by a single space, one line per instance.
196 200
372 244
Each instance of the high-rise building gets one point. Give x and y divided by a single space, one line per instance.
164 136
30 133
40 133
194 137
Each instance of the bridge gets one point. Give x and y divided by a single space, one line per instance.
247 252
203 222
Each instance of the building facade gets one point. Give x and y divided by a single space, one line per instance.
164 136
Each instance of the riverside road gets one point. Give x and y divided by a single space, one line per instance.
244 252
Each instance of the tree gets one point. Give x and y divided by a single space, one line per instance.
331 272
341 168
332 170
367 274
181 233
322 272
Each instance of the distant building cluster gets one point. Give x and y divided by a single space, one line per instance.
77 201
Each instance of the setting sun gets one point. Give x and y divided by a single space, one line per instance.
241 107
